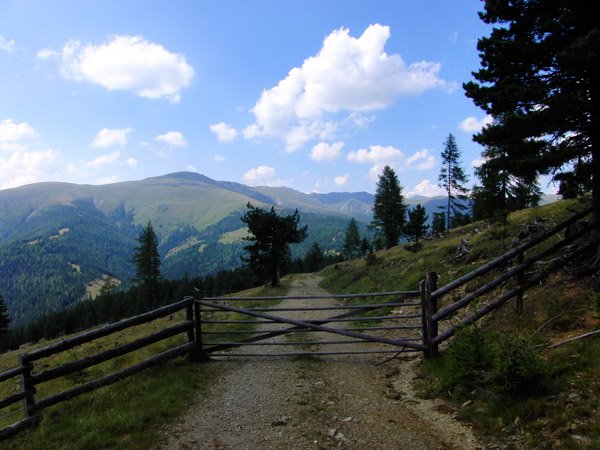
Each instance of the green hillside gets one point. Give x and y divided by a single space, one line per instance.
500 375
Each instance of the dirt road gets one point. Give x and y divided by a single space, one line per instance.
315 403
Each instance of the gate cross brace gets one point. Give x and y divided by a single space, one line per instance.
314 326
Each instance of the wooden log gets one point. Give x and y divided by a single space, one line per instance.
432 306
305 324
112 378
17 427
355 319
12 373
98 358
74 341
334 308
7 401
510 254
28 388
400 294
351 352
576 338
448 310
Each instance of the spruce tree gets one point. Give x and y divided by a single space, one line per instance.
416 226
352 239
147 262
4 318
452 178
438 224
389 210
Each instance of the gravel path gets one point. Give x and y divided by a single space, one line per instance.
315 403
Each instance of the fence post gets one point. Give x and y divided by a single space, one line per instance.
28 388
521 282
200 355
424 321
189 315
432 307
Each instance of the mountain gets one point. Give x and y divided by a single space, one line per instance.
59 240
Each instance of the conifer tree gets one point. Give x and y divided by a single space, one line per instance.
438 224
4 318
416 226
352 239
147 262
389 210
452 178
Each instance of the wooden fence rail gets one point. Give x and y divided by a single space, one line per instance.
430 317
30 379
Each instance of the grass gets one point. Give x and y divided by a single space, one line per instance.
514 390
128 414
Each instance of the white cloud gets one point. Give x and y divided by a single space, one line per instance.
224 132
218 158
25 167
108 137
81 168
326 152
133 163
341 180
192 168
172 138
391 156
478 162
427 189
108 180
6 45
11 133
264 176
126 63
473 125
348 74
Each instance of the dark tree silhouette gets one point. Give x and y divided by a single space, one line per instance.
389 210
147 263
352 240
416 226
270 237
453 178
4 318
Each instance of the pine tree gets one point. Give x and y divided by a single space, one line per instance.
452 178
147 262
270 237
314 260
416 226
438 224
389 210
4 318
540 81
352 239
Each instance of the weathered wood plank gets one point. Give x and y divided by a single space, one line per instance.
6 401
98 358
114 377
17 427
74 341
12 373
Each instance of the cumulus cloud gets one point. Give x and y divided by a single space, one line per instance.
107 180
224 132
12 133
264 176
126 63
341 180
427 189
133 163
108 137
326 152
473 125
25 167
81 168
6 45
172 138
478 162
348 75
218 158
391 156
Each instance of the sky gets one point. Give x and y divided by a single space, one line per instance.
317 96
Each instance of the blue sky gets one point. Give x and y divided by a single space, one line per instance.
313 95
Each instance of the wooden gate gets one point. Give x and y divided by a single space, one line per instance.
383 322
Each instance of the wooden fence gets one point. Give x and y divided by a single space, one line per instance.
30 379
512 282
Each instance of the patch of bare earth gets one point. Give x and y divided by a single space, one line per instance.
317 402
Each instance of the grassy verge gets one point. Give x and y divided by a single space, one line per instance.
126 415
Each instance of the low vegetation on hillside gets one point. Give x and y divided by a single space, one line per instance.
501 374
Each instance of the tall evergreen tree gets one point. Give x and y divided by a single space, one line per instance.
270 237
452 178
4 318
438 224
147 263
389 210
314 259
352 239
540 81
416 226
